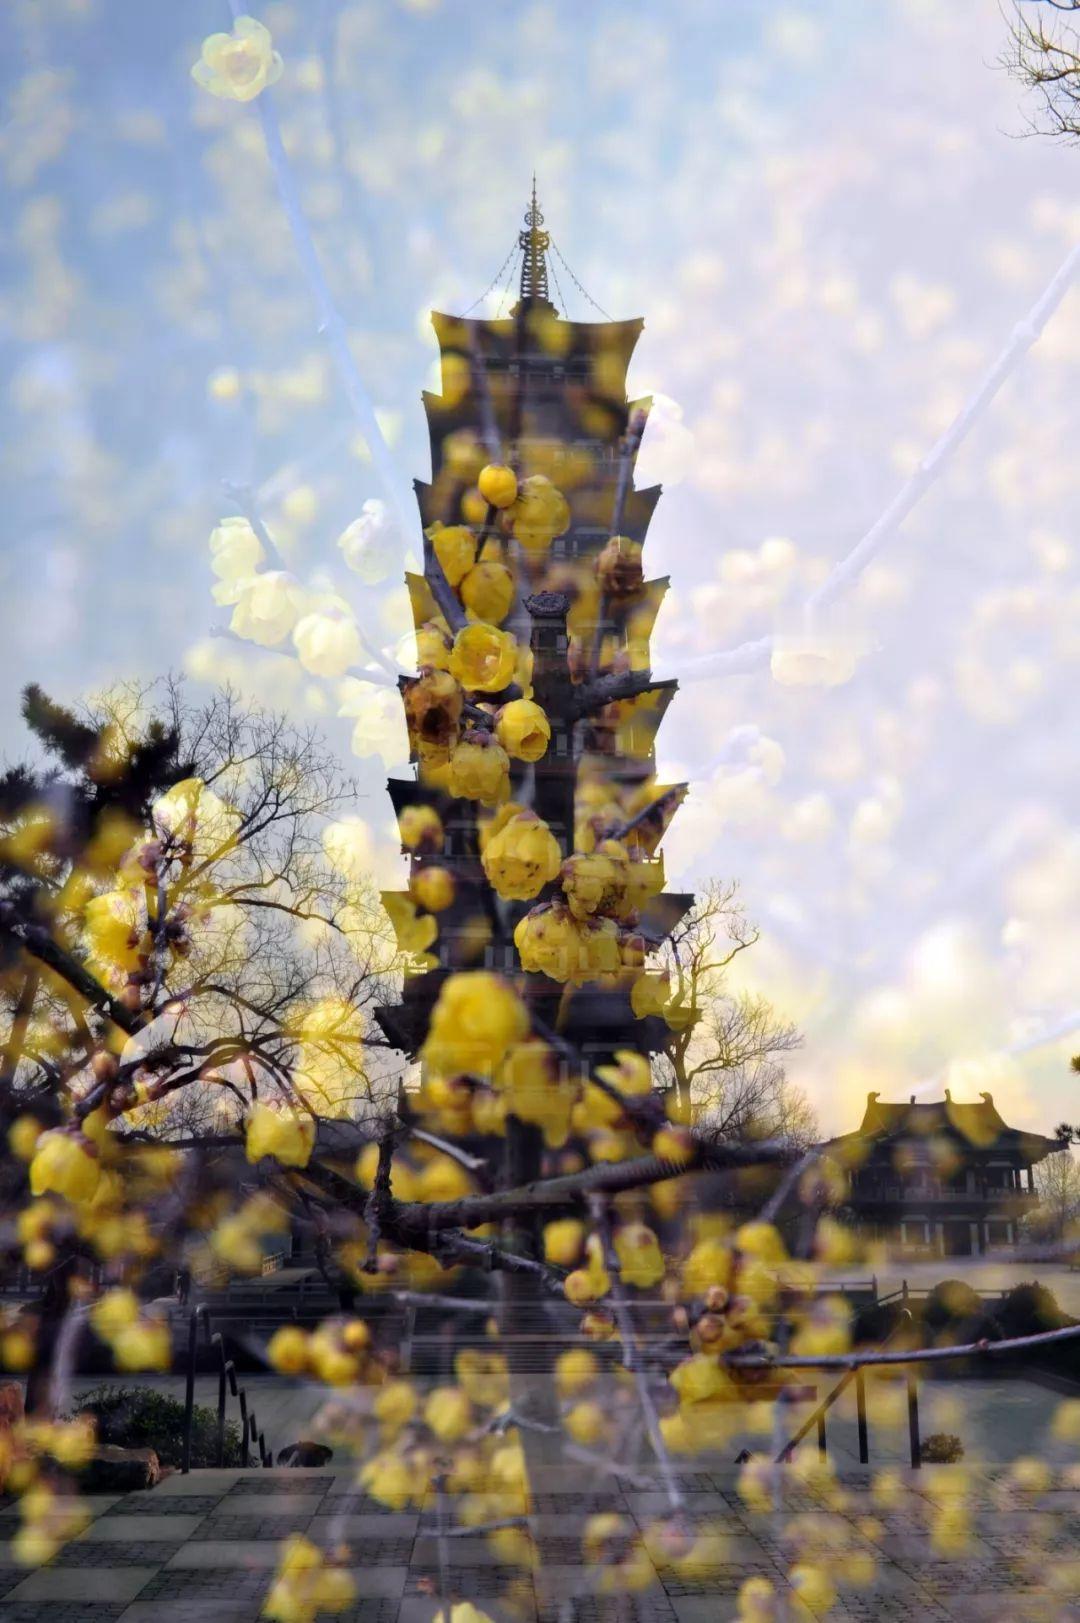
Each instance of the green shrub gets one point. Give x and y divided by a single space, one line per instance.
140 1417
941 1448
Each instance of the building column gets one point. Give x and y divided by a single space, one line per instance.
976 1246
939 1229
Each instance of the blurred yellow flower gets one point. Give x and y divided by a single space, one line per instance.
477 1018
283 1134
65 1163
239 65
522 857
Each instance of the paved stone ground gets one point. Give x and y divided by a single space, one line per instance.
201 1549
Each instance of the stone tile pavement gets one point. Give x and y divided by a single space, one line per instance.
202 1548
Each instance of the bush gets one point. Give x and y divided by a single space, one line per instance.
139 1417
1029 1309
941 1448
952 1302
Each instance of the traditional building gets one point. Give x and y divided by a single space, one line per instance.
948 1178
545 397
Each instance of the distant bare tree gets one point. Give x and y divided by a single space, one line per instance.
1057 1182
1043 53
724 1055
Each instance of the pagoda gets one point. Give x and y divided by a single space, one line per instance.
534 407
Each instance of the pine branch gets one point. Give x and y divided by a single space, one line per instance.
37 941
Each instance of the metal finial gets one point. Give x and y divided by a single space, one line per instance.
534 244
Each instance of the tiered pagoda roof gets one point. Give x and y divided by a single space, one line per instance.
547 396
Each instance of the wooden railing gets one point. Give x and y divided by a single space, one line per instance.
227 1382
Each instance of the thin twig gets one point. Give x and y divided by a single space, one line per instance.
632 1359
331 324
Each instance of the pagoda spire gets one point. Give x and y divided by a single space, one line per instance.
534 244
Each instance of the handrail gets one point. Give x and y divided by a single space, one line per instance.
249 1430
855 1373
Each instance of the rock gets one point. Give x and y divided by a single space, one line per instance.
120 1470
305 1453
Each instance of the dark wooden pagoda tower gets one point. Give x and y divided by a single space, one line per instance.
544 394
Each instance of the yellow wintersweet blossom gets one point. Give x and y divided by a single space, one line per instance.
710 1263
812 660
327 639
116 934
498 484
48 1519
630 1073
650 994
112 1312
306 1583
191 814
235 553
415 932
238 66
534 1091
394 1405
368 544
479 770
757 1602
286 1136
522 857
268 607
550 941
144 1345
488 591
523 730
641 1262
574 1370
65 1163
421 828
23 1135
448 1413
29 836
287 1350
443 1178
563 1240
328 1071
455 548
483 658
539 513
587 1424
389 1478
588 1284
477 1019
462 1612
592 883
433 887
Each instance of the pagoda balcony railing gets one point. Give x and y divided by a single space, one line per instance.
983 1194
